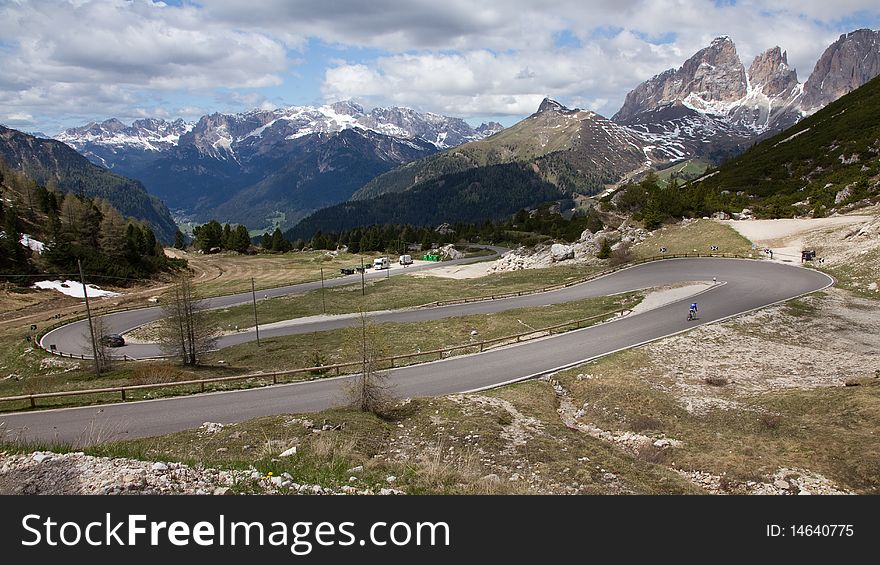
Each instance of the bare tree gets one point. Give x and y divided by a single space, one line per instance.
105 358
187 332
370 391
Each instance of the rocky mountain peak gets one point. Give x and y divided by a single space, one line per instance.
112 124
348 107
847 64
487 129
714 74
770 73
549 105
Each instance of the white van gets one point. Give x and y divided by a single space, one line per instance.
406 260
380 263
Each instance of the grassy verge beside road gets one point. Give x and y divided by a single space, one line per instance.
337 346
693 237
392 293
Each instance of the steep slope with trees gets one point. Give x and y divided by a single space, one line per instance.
472 196
53 164
46 231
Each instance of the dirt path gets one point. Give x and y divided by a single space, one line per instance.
786 237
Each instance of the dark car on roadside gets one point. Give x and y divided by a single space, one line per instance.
113 340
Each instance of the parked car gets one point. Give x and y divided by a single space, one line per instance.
380 263
113 340
406 260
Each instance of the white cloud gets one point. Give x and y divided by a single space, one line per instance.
82 58
67 57
19 118
622 43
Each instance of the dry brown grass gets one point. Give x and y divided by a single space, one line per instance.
152 373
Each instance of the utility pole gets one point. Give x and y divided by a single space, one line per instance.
256 323
82 280
363 285
323 303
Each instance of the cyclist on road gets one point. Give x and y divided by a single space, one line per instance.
692 313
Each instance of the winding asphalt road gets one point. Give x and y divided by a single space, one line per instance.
72 339
743 285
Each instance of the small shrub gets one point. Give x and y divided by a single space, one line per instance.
620 256
651 454
152 373
726 484
643 423
318 360
770 421
605 249
505 418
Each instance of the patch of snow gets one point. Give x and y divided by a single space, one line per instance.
74 289
789 138
33 244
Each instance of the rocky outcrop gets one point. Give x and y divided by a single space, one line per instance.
770 74
77 473
583 251
847 64
549 105
713 74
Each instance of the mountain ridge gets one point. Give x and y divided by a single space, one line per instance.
47 161
209 168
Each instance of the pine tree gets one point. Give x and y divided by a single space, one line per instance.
178 240
240 240
113 234
278 241
226 238
74 219
153 248
16 254
605 250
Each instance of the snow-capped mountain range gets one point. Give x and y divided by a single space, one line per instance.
281 163
716 107
221 135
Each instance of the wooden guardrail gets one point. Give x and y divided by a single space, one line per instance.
337 369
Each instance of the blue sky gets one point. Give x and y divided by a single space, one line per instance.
68 63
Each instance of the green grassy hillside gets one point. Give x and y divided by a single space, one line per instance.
831 155
575 150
